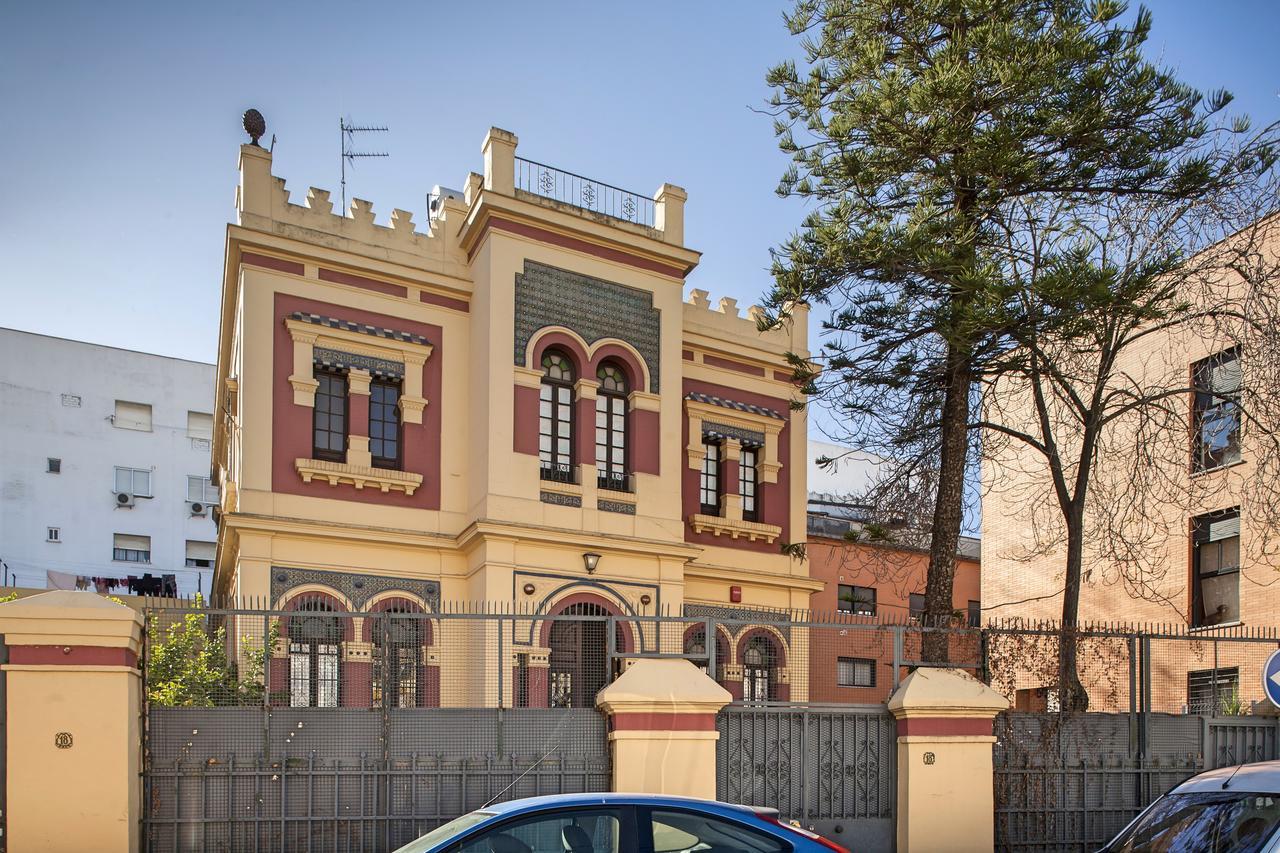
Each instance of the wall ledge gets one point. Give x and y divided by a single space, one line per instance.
337 473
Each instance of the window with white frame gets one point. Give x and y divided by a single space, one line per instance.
201 490
54 534
856 672
555 418
128 548
611 428
200 554
135 416
133 481
709 481
747 483
199 425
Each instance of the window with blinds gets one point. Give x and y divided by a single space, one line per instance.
132 416
128 548
199 426
856 672
200 554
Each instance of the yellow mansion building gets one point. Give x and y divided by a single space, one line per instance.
511 403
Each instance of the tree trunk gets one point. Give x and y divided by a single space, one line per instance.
948 507
1071 693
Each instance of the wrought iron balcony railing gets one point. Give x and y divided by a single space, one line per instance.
596 196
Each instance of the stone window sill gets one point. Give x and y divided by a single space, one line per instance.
336 473
734 529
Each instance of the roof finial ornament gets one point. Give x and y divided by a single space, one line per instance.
254 125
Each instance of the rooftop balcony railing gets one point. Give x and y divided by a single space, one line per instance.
596 196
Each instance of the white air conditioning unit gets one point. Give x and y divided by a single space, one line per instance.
198 508
124 499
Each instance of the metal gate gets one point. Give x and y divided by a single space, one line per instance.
325 730
831 769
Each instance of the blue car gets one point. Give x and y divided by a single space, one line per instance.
619 823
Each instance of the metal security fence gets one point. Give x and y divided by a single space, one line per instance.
326 726
319 728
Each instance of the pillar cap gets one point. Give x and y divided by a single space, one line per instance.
667 685
70 618
938 692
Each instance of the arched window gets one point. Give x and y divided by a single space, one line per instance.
314 640
555 418
579 665
759 669
611 428
695 647
397 640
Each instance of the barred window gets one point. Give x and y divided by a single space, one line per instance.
611 428
329 419
759 662
314 640
855 672
747 483
384 423
555 418
1217 411
1208 690
709 482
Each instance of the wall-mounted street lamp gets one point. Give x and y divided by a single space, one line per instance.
591 560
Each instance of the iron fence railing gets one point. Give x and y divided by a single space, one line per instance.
582 192
381 720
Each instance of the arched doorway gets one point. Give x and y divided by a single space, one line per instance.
579 659
397 653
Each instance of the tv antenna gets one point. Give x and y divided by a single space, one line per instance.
347 131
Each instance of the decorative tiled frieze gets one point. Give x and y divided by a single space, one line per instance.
591 307
356 588
621 507
746 616
560 499
337 360
711 400
747 437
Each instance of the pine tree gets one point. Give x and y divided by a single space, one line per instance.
924 134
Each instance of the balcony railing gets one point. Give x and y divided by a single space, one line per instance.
588 194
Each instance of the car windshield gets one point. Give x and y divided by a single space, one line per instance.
443 833
1213 822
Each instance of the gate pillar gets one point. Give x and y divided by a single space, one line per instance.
662 728
73 735
945 778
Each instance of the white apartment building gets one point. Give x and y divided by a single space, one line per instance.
104 468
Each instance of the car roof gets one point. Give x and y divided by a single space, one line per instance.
1262 777
616 799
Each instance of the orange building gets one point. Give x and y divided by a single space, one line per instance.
872 583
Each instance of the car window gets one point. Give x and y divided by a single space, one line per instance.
566 831
1217 822
441 834
687 832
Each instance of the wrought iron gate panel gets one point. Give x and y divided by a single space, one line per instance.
830 768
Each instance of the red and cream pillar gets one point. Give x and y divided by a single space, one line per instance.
945 776
662 728
73 740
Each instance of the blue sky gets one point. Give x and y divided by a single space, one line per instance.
123 120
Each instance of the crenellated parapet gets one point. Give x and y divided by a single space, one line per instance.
725 321
264 203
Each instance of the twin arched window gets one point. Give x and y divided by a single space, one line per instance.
556 423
